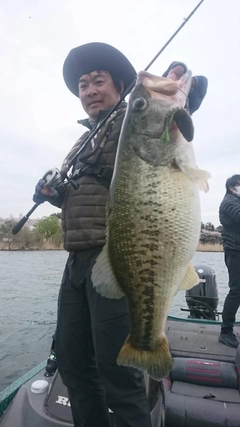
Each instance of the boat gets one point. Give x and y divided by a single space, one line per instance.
202 389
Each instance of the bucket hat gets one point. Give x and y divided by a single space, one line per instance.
96 56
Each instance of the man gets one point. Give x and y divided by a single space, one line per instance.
229 215
92 329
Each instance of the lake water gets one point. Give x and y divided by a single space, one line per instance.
29 284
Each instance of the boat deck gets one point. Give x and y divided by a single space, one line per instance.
198 340
187 339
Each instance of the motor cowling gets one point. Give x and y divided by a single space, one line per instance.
202 299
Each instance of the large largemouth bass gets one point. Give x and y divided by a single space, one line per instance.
153 218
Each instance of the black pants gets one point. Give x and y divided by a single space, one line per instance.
232 301
90 332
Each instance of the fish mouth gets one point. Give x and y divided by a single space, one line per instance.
172 96
157 84
162 86
185 83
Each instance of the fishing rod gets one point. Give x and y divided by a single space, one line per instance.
54 176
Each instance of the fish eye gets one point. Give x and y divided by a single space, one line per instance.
140 104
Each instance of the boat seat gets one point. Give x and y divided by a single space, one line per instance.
203 393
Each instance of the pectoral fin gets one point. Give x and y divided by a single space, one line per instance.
196 175
103 278
190 279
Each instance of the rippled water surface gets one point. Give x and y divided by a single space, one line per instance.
29 284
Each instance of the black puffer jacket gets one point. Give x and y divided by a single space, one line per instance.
229 216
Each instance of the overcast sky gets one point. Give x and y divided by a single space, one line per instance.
38 114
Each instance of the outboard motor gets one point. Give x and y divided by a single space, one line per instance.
202 299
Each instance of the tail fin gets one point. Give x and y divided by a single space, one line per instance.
157 362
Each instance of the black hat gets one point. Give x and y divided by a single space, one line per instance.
96 56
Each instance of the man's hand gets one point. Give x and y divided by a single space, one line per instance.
199 84
42 193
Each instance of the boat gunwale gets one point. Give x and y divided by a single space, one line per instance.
204 321
7 395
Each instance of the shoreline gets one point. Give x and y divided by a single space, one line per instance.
202 247
209 247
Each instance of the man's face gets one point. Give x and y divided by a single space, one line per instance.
97 92
236 188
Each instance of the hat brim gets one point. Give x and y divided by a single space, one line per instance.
96 56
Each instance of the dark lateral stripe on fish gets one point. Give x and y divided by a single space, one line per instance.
143 336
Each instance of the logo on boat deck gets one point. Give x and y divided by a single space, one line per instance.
62 400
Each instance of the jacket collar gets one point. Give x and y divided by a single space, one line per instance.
88 124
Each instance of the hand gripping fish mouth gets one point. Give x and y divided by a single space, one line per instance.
153 218
170 93
162 87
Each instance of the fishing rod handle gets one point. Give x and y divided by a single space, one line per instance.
23 220
51 178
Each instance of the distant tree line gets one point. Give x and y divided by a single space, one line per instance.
46 229
210 233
